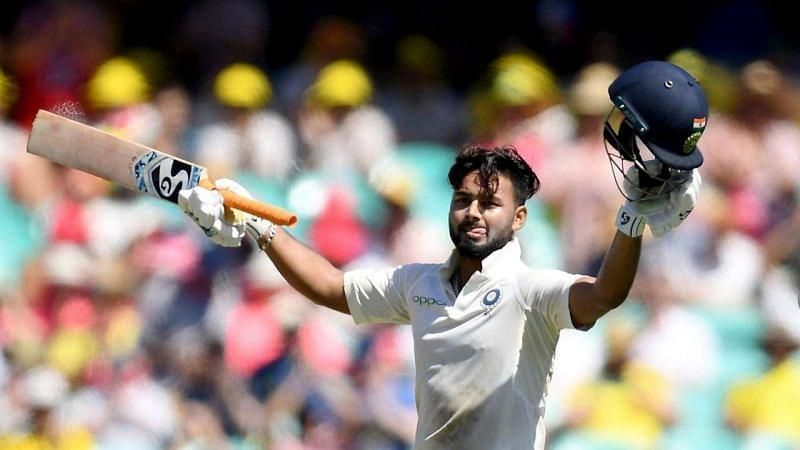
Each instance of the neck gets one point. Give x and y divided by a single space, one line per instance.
466 267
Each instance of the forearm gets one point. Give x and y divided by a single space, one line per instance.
591 298
308 272
617 271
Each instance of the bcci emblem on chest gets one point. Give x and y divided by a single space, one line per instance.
490 299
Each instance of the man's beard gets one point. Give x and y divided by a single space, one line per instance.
470 249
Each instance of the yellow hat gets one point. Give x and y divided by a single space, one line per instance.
520 79
8 91
117 82
589 93
341 83
691 61
71 351
242 85
718 82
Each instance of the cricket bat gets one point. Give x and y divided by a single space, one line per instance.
134 166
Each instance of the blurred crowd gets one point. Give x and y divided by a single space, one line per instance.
123 327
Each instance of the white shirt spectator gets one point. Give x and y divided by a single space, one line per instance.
12 145
267 146
680 346
363 137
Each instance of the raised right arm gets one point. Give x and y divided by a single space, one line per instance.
304 269
308 272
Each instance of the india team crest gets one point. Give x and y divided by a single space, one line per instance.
491 299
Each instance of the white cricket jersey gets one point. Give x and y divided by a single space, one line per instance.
483 358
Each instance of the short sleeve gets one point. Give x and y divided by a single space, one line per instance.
376 296
548 293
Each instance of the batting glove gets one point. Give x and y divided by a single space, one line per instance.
206 209
631 216
664 212
629 221
679 204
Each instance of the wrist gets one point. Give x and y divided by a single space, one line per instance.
261 231
629 221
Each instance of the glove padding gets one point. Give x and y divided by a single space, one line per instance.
664 212
206 209
679 204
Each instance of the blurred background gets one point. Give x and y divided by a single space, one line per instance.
123 327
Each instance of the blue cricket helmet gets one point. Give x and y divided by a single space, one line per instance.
665 108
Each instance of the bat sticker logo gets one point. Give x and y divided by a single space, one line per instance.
164 176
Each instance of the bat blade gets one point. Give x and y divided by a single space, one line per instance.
129 164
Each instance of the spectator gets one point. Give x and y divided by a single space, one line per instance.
54 49
340 127
246 136
12 138
525 108
764 410
119 95
331 38
577 188
629 407
418 99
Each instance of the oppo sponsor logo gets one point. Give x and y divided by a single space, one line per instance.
427 301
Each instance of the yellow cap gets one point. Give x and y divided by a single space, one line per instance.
117 82
8 91
71 351
341 83
718 82
520 79
242 85
691 61
589 93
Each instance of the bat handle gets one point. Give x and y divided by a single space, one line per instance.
274 214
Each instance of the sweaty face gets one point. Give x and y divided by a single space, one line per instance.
482 222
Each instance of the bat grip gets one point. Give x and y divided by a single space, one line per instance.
274 214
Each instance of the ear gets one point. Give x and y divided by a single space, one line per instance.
520 215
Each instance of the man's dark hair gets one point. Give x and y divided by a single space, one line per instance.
490 162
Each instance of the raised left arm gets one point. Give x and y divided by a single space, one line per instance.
590 298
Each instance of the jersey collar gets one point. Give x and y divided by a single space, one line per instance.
500 259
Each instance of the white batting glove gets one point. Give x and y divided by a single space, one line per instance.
663 213
629 221
206 209
679 204
254 227
631 217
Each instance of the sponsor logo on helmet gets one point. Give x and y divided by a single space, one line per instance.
691 142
